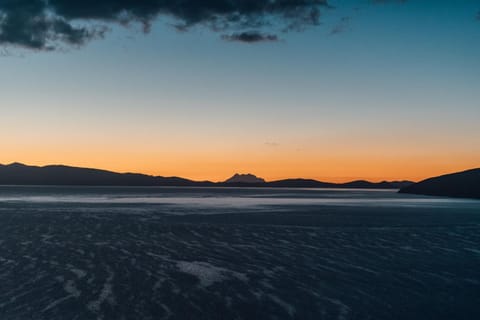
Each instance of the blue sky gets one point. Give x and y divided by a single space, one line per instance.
400 78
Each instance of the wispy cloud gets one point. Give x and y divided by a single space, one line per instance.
271 144
341 26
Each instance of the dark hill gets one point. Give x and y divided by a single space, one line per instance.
302 183
464 184
358 184
20 174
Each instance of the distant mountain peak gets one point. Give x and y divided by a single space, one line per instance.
244 178
16 164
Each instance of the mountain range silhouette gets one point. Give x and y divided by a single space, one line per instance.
21 174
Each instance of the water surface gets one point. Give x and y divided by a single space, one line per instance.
227 253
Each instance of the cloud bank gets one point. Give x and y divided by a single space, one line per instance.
49 24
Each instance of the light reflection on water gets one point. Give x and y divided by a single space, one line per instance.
225 197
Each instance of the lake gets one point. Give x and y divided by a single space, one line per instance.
236 253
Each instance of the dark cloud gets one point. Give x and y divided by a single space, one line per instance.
28 23
478 16
46 24
250 37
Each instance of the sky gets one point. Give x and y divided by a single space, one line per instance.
337 91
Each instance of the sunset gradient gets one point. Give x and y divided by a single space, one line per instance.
384 99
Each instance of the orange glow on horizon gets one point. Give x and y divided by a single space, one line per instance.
198 167
205 149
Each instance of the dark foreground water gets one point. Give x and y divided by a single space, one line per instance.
180 253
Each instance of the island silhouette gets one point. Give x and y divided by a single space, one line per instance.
465 184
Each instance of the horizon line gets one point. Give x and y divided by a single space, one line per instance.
351 179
